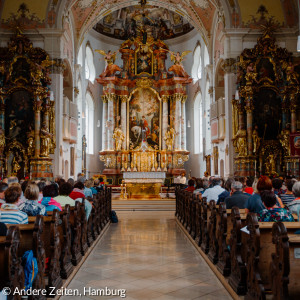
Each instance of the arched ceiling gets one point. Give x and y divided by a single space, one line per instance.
200 13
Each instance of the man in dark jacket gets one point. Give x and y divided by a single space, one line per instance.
237 198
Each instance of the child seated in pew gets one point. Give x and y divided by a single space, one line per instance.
10 212
63 198
272 212
78 194
31 206
49 192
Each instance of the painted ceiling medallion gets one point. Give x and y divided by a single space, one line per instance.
160 23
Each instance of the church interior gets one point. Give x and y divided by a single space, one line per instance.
155 110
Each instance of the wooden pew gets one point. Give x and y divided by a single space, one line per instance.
90 225
11 270
223 232
204 226
198 233
83 220
97 216
238 274
31 238
212 225
259 249
75 221
194 216
52 247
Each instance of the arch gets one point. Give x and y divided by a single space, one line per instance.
197 63
198 124
89 122
68 80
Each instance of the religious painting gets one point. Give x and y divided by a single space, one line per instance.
144 60
20 69
144 118
19 116
265 69
267 114
295 143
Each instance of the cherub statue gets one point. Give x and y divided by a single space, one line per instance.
270 164
110 68
169 138
119 137
250 74
291 75
46 137
30 140
177 68
15 165
284 139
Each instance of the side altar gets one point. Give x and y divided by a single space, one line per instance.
144 123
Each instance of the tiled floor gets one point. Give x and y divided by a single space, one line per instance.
147 255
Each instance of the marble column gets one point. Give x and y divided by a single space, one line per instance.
249 111
37 127
178 98
165 114
104 123
124 119
111 122
183 124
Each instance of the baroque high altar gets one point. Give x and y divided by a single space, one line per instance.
144 125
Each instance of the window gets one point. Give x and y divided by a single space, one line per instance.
207 118
79 58
198 124
206 57
90 72
89 123
197 65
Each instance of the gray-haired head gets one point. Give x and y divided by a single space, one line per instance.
81 179
12 179
237 186
296 189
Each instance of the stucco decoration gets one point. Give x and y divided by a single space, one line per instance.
201 3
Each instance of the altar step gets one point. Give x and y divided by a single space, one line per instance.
146 205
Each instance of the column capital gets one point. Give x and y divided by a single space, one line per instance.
184 98
37 105
123 98
104 98
58 66
229 65
165 98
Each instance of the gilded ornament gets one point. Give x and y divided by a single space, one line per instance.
169 138
46 137
241 142
256 139
144 82
119 137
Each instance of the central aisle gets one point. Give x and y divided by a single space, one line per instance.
148 255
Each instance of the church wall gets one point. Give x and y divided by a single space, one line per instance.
96 41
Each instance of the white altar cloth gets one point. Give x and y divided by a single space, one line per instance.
144 175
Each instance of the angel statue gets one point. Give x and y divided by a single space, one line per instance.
177 68
110 68
169 138
119 137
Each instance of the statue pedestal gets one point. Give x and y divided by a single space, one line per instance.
41 168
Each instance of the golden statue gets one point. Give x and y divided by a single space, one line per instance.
177 68
15 166
110 68
284 139
30 140
270 165
119 137
256 140
169 138
291 75
46 137
241 142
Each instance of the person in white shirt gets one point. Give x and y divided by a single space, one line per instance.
214 192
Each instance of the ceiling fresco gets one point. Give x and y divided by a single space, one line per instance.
125 22
199 13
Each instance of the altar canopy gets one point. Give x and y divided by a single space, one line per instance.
144 125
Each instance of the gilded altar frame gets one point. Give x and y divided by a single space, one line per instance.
137 52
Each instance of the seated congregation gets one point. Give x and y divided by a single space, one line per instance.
247 230
49 226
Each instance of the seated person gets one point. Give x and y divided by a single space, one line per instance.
3 229
41 185
31 206
191 186
65 190
3 188
49 193
87 189
181 179
294 206
199 186
226 193
77 194
10 212
289 196
272 212
237 198
248 187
